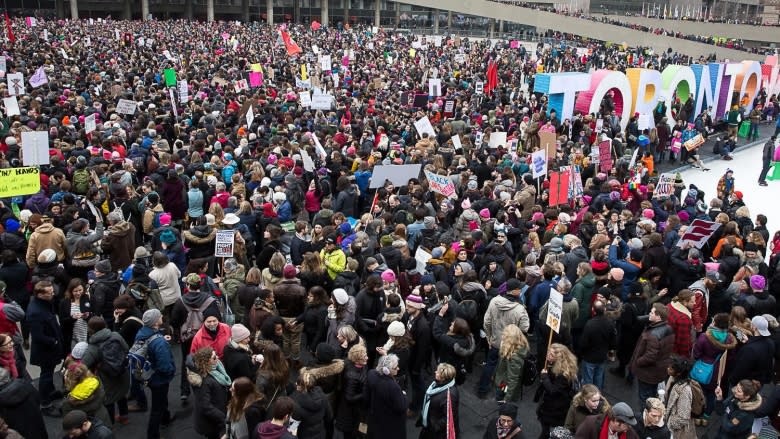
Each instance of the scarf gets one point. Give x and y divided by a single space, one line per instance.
433 390
7 361
502 431
604 433
219 374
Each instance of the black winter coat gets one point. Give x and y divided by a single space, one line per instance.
753 361
420 355
351 406
386 407
312 409
437 415
598 337
46 343
103 292
19 406
15 277
556 393
67 322
238 362
211 399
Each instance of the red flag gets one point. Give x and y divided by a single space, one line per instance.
492 77
315 25
450 418
292 47
11 37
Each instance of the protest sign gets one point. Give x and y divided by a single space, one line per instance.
665 186
255 79
479 87
326 63
174 107
224 243
698 233
576 189
250 116
478 139
19 181
15 84
304 84
11 106
599 125
318 146
559 188
399 175
694 143
497 139
184 91
539 163
35 148
441 184
125 106
39 78
89 123
305 97
170 77
434 87
605 155
421 257
449 108
241 85
548 142
424 126
645 122
456 142
2 64
321 102
554 310
632 163
308 163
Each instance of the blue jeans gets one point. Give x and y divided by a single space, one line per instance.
592 373
753 134
137 390
159 413
486 379
646 390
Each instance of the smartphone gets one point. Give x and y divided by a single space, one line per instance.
293 427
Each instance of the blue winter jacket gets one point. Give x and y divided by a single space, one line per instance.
160 355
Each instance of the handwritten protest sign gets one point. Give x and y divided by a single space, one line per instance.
497 139
441 184
539 163
694 143
424 126
665 186
16 84
554 310
125 106
456 142
184 91
305 97
19 181
399 175
250 116
89 123
321 102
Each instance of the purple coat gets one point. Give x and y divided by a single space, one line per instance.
707 349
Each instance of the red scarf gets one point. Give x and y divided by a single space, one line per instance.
7 362
604 433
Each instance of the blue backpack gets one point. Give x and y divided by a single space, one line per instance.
138 359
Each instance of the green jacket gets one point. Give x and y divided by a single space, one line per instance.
733 117
582 291
230 285
510 372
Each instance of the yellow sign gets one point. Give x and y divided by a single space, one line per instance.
19 181
256 67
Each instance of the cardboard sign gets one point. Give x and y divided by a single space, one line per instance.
539 163
694 143
19 181
399 175
35 148
441 184
89 123
125 106
554 310
548 142
224 243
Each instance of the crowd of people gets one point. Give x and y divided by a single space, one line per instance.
731 43
236 239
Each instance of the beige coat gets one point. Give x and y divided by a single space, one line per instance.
45 236
678 410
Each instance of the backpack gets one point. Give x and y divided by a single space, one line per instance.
697 399
140 368
194 320
467 310
113 357
530 370
81 181
139 161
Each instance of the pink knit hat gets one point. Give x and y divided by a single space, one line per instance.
617 274
484 213
388 275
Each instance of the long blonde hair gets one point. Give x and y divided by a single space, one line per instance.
512 340
565 362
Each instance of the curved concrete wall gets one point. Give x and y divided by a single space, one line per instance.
770 34
585 28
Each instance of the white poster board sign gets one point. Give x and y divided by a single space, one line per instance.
11 106
539 163
89 123
399 175
16 84
421 257
305 98
554 310
224 244
456 142
184 91
126 106
321 102
434 87
645 122
424 126
250 116
497 139
35 148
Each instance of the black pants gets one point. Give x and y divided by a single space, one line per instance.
764 170
185 350
159 414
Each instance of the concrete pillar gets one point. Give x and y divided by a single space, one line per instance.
347 5
245 11
74 9
492 28
296 11
188 14
127 10
144 9
435 21
500 28
323 12
449 19
269 10
59 5
377 13
209 10
397 14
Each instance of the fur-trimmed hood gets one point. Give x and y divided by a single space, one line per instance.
730 343
750 406
320 372
465 351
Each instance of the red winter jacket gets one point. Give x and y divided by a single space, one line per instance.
203 339
682 325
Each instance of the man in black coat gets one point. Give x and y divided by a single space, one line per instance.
370 303
19 406
598 337
767 155
46 344
419 329
104 290
76 424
